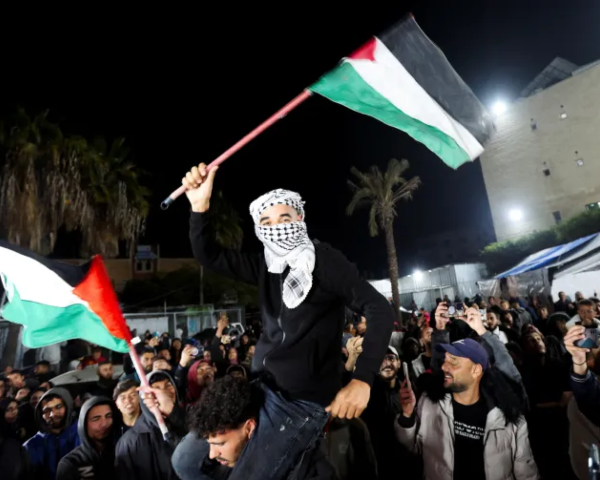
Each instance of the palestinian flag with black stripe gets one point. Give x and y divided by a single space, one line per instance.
57 301
404 80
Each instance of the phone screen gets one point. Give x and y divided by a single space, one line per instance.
405 368
590 339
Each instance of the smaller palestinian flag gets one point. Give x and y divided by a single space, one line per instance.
57 301
403 79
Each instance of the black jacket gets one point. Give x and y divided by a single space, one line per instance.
13 460
586 390
191 462
143 453
300 347
103 388
86 461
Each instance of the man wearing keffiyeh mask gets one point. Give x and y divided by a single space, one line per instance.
304 288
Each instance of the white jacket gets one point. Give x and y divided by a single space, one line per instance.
507 453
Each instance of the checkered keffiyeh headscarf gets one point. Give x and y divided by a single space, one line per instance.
286 244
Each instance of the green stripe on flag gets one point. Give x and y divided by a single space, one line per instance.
345 86
45 324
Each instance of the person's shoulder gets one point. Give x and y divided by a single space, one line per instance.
328 255
35 442
73 457
134 435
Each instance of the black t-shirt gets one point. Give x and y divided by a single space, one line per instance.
469 435
426 361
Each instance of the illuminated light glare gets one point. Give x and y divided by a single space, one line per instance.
515 214
499 107
418 275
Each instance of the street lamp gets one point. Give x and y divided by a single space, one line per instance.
515 214
499 107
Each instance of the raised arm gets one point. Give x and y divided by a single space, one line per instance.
234 264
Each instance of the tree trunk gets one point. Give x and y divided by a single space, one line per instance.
393 266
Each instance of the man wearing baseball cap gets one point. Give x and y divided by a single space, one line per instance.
472 431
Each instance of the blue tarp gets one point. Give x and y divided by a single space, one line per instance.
546 257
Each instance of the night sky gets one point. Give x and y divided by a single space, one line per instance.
183 86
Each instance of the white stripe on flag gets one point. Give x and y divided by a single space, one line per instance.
34 281
391 80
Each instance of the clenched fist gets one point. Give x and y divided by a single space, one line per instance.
198 183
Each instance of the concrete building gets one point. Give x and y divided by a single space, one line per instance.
145 264
543 163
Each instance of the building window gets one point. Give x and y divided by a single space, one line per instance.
546 172
579 162
592 206
563 114
557 217
142 266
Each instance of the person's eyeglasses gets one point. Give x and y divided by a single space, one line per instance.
390 358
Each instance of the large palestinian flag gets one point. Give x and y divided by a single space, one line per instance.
403 79
57 301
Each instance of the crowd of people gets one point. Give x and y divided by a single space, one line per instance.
489 394
324 387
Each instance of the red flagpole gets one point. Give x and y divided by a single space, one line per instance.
244 141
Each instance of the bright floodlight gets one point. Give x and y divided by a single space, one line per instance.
418 275
515 214
499 107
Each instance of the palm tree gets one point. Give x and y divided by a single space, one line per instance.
120 201
49 181
382 192
226 223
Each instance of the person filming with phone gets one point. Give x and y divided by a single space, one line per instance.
473 426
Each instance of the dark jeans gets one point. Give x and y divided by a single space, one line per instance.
286 431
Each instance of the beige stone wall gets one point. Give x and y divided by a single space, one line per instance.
514 162
120 270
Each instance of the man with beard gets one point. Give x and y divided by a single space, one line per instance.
105 385
222 425
304 288
57 436
453 432
95 457
127 400
380 414
147 355
143 453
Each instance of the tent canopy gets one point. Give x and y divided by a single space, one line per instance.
555 256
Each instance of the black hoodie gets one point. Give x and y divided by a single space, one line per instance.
86 461
143 453
300 347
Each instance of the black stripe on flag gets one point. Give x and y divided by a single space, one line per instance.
431 69
72 274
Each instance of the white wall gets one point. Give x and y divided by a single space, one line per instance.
514 161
